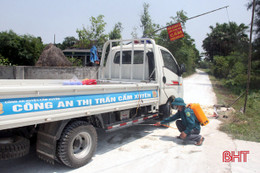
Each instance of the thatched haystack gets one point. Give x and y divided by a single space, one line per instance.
52 56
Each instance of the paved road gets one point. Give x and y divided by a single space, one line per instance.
151 149
198 89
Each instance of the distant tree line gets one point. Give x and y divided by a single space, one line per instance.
226 53
26 49
226 46
19 50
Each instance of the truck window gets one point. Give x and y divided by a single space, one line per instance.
169 62
126 57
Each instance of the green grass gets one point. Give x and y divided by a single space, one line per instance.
238 125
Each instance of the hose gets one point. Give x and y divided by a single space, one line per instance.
155 125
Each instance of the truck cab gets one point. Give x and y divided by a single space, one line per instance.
141 60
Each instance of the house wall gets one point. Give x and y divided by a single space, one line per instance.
31 72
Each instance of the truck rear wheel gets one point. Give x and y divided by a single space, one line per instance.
13 147
77 144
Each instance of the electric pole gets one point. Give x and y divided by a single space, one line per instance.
249 57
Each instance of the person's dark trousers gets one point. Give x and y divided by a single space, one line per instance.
192 136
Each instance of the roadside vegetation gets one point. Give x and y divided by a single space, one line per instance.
226 60
237 124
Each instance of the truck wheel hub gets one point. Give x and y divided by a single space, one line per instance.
81 145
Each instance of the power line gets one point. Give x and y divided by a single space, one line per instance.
194 17
207 13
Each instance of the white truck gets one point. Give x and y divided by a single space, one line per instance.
137 80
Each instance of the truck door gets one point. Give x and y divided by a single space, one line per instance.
172 80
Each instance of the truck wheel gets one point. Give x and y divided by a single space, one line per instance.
77 144
165 110
13 147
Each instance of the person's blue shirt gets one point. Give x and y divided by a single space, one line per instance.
93 54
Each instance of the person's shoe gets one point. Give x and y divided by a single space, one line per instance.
200 142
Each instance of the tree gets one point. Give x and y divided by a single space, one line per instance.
257 17
4 61
116 32
256 42
134 32
233 69
180 18
20 50
225 39
94 34
68 42
227 48
146 23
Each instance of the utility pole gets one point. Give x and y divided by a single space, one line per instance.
249 57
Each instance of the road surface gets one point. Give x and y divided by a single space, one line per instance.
145 148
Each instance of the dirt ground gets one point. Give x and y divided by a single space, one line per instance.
145 148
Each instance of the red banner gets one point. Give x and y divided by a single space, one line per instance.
175 31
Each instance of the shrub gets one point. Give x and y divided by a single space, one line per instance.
4 61
220 67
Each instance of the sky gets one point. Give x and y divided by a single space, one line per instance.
46 18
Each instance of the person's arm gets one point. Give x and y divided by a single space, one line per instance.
171 118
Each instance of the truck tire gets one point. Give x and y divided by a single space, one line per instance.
13 147
77 144
165 110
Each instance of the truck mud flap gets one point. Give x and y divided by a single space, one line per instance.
47 137
124 124
45 145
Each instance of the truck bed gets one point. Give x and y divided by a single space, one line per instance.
29 102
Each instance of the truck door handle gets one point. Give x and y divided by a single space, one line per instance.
164 79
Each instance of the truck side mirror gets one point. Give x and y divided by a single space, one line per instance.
183 69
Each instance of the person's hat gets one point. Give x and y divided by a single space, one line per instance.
178 102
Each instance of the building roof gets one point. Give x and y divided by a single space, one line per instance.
77 52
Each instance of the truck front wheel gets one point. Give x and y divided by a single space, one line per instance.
165 110
77 144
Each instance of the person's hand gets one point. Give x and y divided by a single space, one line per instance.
183 135
157 124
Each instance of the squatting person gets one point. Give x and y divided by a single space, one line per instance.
189 126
